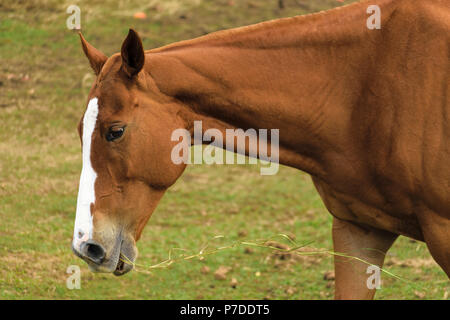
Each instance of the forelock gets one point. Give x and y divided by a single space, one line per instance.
111 68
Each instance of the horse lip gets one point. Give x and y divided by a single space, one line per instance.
122 267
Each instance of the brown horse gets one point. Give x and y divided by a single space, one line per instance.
365 111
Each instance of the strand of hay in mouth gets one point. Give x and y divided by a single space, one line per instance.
263 243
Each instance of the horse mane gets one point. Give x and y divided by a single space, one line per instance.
342 14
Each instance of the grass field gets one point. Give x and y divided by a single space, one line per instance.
44 81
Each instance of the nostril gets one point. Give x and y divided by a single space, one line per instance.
93 251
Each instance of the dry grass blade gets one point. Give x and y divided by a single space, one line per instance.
260 243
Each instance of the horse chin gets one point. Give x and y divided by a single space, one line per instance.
123 266
126 258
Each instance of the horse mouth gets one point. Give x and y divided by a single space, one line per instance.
122 267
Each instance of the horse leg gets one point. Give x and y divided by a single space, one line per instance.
436 232
366 243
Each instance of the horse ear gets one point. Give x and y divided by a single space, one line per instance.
96 58
132 52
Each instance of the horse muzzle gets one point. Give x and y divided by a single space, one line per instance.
118 260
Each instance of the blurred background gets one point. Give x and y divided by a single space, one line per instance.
44 82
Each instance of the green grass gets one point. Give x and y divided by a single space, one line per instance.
42 97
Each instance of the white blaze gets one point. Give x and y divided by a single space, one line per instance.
86 191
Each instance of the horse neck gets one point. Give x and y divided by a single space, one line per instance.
302 75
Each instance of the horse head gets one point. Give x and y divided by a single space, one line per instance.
126 149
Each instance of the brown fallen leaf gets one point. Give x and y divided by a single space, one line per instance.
205 270
248 250
329 276
221 273
140 15
233 283
242 233
419 294
290 291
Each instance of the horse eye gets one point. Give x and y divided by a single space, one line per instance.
114 133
